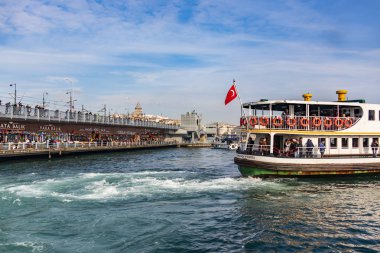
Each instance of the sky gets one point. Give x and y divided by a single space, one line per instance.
178 56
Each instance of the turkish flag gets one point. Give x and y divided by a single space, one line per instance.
231 94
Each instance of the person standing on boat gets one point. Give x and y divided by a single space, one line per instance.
285 113
300 147
322 148
374 146
265 147
309 148
287 147
251 142
295 148
262 143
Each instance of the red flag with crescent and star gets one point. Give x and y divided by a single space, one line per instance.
231 94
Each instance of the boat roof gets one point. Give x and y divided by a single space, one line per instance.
283 104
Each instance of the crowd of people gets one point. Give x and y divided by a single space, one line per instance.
291 148
296 148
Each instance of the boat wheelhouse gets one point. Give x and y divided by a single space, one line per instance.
306 138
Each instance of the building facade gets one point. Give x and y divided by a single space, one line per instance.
192 123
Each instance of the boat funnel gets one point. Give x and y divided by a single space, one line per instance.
307 96
341 95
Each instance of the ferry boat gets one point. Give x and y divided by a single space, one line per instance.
309 138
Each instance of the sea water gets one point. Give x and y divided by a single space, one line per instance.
179 200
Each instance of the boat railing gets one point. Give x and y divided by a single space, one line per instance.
303 123
40 114
254 149
305 152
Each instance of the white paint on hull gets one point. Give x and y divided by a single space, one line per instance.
311 161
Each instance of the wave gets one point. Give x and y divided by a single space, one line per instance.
105 186
34 247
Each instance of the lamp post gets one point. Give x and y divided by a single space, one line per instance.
43 99
14 84
71 100
71 93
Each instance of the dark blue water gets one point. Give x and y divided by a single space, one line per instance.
179 200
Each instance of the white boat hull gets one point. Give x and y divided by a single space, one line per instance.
254 165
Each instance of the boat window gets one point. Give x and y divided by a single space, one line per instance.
355 142
371 115
357 113
333 143
365 142
344 142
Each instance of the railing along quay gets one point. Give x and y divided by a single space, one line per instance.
26 149
29 113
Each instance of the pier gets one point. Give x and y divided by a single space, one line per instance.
12 151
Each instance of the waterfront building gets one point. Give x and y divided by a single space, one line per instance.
139 115
220 129
191 122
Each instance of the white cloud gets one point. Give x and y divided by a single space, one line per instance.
121 52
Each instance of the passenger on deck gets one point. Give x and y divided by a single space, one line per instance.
293 148
322 148
300 147
285 113
287 147
251 142
263 148
374 146
309 148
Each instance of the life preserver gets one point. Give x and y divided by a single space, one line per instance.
291 122
317 122
348 122
277 121
253 121
338 122
264 121
327 122
243 121
233 146
304 122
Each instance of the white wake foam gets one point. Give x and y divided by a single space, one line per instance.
34 247
104 186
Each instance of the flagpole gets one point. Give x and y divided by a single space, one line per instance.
241 104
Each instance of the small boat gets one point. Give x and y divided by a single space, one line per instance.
231 146
226 143
309 138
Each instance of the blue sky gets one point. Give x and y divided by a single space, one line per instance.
178 56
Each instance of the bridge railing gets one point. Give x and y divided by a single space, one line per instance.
26 112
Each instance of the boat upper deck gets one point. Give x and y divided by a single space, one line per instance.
311 116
